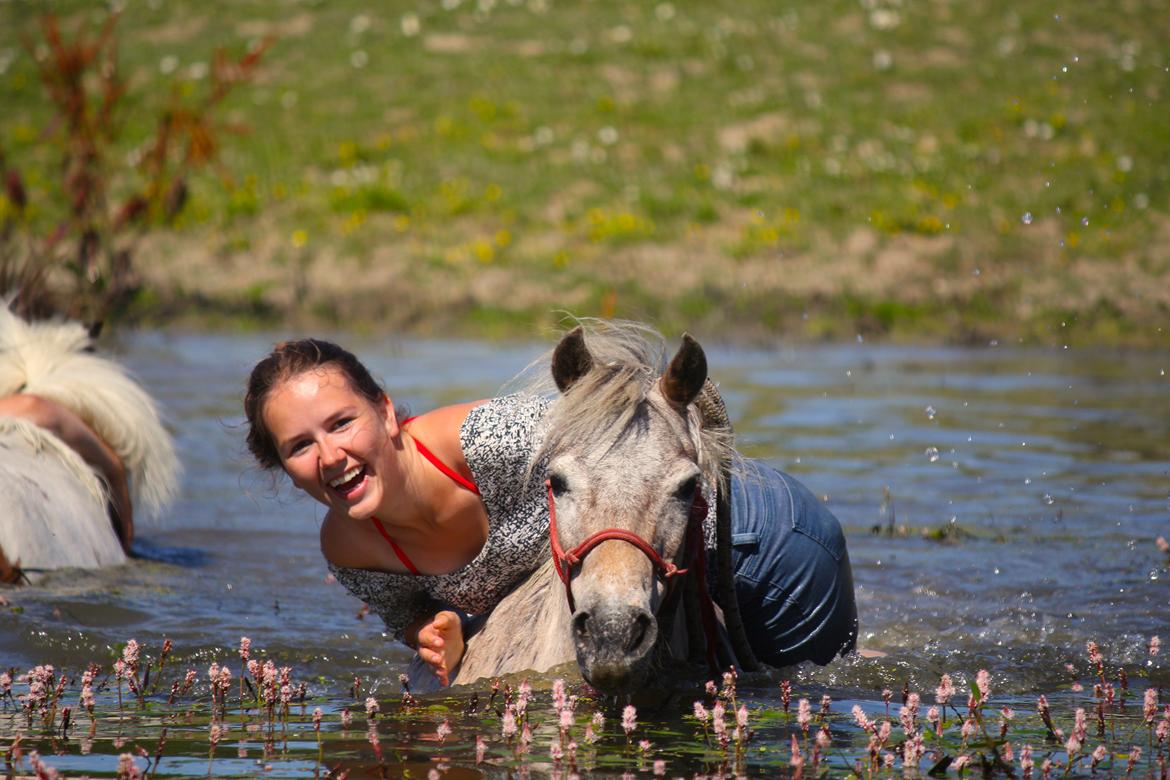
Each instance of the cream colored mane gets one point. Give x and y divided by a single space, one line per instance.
51 359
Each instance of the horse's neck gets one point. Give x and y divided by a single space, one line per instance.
528 629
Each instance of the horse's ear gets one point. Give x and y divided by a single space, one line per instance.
684 377
571 359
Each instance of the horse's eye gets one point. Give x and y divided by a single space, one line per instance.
686 491
557 483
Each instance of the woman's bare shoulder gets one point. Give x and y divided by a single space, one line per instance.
343 544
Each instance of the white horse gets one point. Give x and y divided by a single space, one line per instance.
627 456
53 504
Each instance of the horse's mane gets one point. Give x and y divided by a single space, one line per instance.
51 359
628 359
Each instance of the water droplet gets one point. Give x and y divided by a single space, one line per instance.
1027 480
1085 221
930 412
1048 499
1027 218
932 453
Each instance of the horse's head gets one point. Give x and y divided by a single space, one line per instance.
624 468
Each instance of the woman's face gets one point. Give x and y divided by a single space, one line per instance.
334 443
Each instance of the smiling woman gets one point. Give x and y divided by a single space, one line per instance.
429 518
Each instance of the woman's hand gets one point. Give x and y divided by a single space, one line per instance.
440 644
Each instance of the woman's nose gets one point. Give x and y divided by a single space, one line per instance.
331 454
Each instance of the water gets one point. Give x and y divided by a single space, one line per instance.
1027 489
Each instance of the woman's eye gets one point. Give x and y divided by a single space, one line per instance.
298 448
341 423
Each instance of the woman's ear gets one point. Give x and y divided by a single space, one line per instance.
390 415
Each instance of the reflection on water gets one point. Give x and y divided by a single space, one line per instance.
1027 491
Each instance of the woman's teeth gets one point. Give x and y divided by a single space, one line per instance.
346 477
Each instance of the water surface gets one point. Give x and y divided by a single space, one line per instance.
1028 488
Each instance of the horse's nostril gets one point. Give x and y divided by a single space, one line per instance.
581 625
638 632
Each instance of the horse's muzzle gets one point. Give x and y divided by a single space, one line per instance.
614 645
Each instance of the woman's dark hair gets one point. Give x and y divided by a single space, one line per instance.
288 359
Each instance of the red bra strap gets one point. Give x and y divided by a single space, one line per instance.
459 479
394 546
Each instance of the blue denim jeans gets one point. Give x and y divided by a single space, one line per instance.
791 570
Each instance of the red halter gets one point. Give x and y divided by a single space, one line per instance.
564 560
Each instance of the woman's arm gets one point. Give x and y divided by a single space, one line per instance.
72 430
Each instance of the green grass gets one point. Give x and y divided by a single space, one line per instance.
562 142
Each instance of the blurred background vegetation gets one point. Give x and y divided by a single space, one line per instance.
927 171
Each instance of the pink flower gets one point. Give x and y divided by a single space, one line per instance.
130 654
701 713
1150 704
660 767
803 714
797 760
480 749
316 718
629 719
960 762
644 746
1163 545
741 716
127 768
1099 755
245 648
945 690
444 730
969 728
717 723
983 682
558 694
711 689
1095 656
555 752
1155 642
566 719
859 715
935 719
599 721
508 724
372 708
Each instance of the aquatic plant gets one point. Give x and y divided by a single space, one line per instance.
562 729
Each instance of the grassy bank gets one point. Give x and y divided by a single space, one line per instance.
934 171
